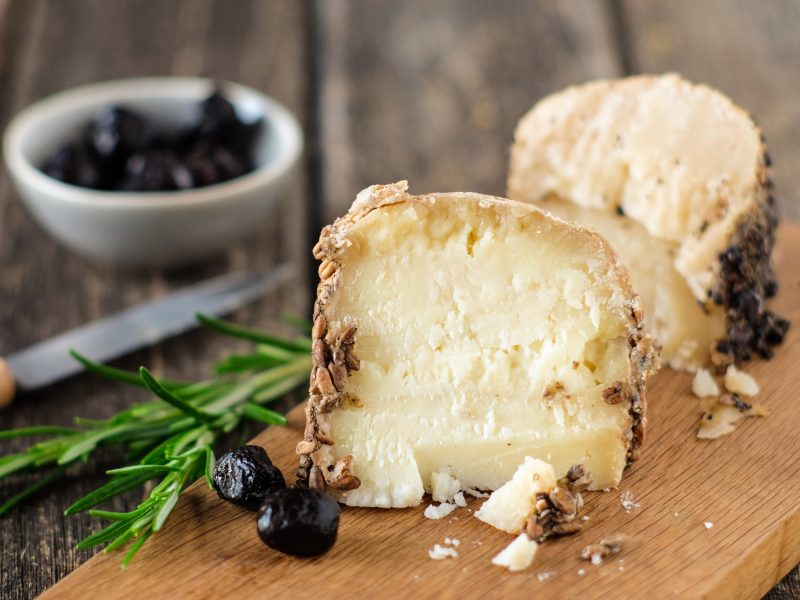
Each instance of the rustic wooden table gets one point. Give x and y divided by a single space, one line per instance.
417 90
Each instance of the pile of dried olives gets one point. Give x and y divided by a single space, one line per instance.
120 150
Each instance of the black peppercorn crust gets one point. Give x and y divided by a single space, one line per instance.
747 280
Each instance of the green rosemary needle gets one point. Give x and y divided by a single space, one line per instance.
171 437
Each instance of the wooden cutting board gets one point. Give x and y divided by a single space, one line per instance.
747 484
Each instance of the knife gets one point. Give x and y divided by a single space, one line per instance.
111 337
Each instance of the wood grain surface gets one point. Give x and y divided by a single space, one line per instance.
418 90
746 484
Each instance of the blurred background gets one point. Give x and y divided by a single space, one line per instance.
384 90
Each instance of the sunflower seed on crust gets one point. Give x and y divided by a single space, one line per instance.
338 375
351 360
325 382
306 447
316 480
320 328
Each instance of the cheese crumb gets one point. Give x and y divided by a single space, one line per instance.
740 382
518 555
437 512
440 552
719 419
452 542
703 384
708 524
475 493
628 501
460 500
444 486
581 572
510 505
545 575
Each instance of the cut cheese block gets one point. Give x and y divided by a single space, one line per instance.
675 176
461 332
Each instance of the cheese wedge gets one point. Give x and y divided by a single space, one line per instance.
675 177
510 506
461 332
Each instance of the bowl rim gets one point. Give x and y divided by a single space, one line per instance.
283 124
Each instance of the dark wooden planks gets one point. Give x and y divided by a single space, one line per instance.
750 51
49 46
430 91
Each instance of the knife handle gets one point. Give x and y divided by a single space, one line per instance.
8 386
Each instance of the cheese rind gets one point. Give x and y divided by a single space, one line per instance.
470 355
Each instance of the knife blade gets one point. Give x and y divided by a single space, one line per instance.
49 361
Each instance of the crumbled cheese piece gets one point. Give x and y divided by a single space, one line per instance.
581 572
628 501
452 542
739 382
511 504
719 419
475 493
518 555
444 486
703 384
460 500
440 552
437 512
596 559
585 518
545 575
708 524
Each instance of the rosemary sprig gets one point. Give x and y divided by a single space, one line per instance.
171 437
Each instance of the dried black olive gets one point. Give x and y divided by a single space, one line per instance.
150 171
299 521
117 133
121 150
215 117
246 476
73 164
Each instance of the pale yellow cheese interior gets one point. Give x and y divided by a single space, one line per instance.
467 312
673 316
679 158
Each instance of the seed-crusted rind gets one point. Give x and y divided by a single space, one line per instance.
334 355
736 243
556 511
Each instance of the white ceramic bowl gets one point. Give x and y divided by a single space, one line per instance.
149 228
